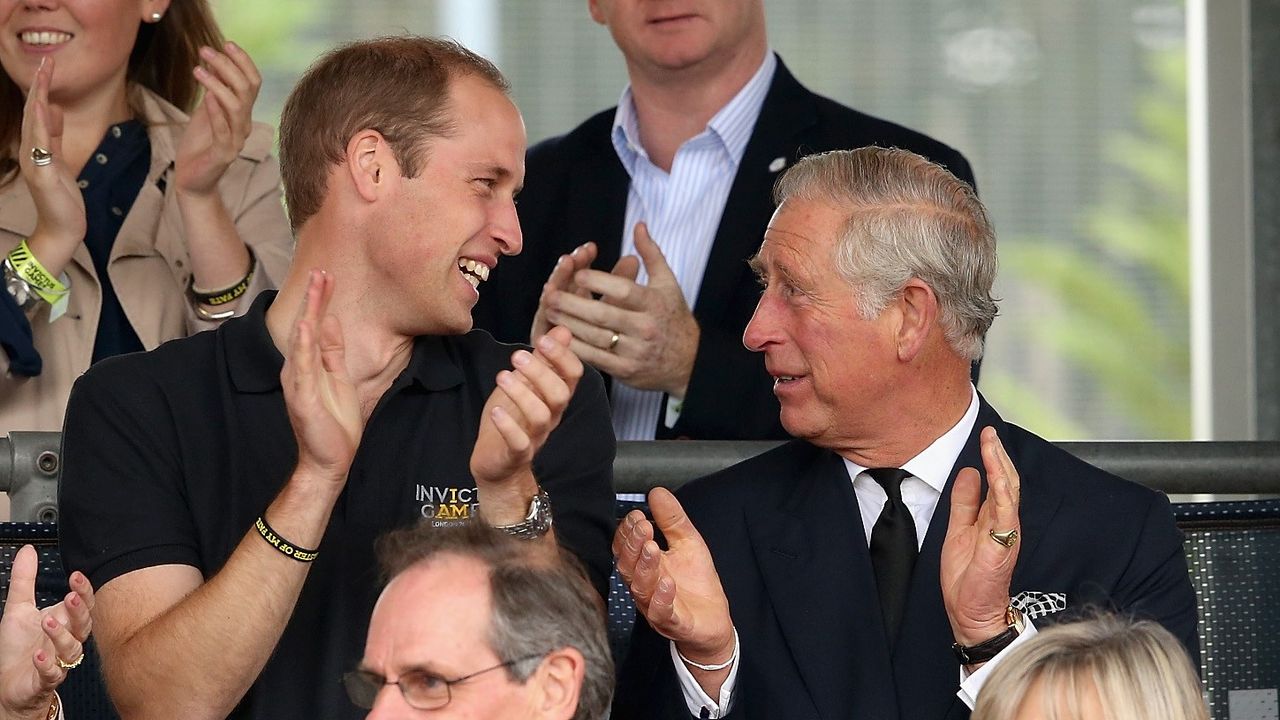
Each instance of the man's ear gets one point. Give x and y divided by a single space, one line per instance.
597 14
918 309
559 678
370 164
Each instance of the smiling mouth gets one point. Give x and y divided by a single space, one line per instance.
44 37
784 379
474 272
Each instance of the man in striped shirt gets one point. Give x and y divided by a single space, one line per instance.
638 223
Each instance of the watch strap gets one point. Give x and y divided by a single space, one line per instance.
984 651
538 521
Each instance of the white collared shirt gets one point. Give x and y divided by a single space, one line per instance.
682 210
930 471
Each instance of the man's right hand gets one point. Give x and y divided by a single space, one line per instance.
322 402
677 590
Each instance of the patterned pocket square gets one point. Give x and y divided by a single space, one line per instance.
1037 604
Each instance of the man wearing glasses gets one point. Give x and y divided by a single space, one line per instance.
477 621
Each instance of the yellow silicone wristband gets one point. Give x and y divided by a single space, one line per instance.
28 268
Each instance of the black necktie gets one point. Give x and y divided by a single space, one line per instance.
893 549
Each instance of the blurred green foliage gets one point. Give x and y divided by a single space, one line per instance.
282 36
1120 292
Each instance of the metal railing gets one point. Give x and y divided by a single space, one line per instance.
30 465
1176 468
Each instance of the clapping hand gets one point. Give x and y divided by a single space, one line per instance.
36 646
677 589
60 215
523 410
221 123
643 335
324 408
977 568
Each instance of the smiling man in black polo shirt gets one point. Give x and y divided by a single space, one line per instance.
224 491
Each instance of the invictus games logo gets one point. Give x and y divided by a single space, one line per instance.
443 505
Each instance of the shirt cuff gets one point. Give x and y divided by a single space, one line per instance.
970 685
695 699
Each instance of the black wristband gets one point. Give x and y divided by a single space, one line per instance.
985 650
215 298
285 547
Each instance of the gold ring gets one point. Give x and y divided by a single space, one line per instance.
613 342
1006 538
70 665
41 157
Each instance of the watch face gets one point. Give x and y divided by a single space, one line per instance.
18 289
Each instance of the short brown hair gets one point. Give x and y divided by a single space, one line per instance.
163 56
539 603
398 86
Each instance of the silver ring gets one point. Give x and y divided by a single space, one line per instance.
41 157
613 342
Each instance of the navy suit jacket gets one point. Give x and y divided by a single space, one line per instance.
576 191
788 543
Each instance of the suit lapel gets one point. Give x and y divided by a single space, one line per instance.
924 667
598 186
788 111
812 554
598 189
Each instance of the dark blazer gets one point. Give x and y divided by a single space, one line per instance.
789 546
576 191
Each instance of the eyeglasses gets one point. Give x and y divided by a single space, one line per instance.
422 690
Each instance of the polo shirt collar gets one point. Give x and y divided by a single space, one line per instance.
434 365
254 363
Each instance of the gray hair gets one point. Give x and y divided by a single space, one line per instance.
1137 668
907 218
540 604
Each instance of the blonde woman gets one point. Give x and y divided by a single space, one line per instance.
1104 668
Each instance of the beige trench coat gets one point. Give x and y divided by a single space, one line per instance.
149 266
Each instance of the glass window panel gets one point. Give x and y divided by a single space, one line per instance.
1072 114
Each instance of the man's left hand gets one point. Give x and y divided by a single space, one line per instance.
657 335
976 569
522 411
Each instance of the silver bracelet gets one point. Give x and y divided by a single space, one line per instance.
712 668
19 289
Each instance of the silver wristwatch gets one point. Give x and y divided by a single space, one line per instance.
536 523
19 289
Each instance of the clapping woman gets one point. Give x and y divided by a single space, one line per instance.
124 220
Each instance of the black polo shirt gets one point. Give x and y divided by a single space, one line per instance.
170 456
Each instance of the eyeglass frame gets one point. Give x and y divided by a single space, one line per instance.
379 682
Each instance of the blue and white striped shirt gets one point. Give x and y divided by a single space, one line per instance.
682 210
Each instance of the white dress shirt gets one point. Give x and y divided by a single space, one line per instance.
930 471
682 210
